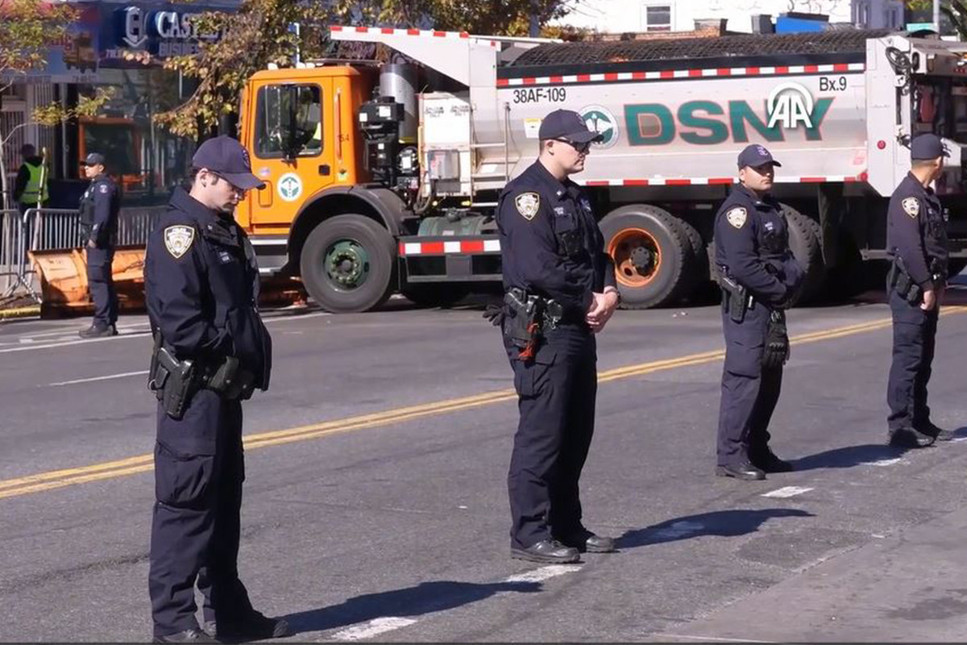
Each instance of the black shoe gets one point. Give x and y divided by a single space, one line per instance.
547 551
772 464
98 331
744 471
253 626
587 542
187 636
909 438
938 433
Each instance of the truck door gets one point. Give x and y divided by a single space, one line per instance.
290 149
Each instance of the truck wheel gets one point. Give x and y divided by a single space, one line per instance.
349 264
434 295
804 234
651 252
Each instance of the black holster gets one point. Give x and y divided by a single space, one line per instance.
174 382
899 280
527 317
735 298
229 380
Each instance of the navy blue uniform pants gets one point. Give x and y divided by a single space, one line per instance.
749 391
101 284
914 335
199 470
556 397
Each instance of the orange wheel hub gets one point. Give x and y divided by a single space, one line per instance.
636 255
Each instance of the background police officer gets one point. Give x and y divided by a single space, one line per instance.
917 243
99 209
759 277
201 281
552 249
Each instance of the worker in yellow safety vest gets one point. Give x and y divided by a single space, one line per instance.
30 187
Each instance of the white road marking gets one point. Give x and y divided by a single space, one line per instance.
958 439
787 491
679 530
98 378
883 462
372 628
28 342
714 638
544 573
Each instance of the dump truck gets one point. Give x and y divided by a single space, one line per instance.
384 175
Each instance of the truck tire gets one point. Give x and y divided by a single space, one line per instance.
804 235
698 271
652 254
349 263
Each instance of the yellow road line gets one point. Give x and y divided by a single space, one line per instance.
144 463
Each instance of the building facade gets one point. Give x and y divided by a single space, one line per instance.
105 48
622 16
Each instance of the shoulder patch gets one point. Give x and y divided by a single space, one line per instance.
528 204
178 240
911 206
737 216
103 188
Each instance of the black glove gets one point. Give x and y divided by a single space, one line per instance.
495 314
777 350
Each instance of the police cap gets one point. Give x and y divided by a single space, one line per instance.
94 159
927 146
226 157
755 155
566 124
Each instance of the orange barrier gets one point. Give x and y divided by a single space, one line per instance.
64 289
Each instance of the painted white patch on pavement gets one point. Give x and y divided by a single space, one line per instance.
544 573
712 638
372 628
883 462
679 530
787 491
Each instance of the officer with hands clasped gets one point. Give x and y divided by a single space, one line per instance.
211 351
560 291
759 278
99 209
917 244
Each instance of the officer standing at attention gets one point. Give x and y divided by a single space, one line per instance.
917 244
99 209
560 291
211 352
759 278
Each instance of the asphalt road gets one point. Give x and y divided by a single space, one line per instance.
376 487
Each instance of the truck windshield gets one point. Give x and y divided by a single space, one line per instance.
277 106
940 106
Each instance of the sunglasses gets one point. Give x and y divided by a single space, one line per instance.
581 148
239 191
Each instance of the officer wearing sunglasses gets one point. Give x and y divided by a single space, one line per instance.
553 262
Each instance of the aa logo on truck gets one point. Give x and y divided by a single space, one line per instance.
601 121
790 104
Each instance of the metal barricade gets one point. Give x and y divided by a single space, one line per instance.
13 252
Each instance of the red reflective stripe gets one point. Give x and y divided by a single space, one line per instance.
692 73
782 69
402 248
635 182
638 76
723 71
584 78
431 247
666 74
387 30
472 246
362 30
812 68
811 180
720 180
335 28
464 34
440 34
752 70
502 82
611 76
678 182
412 32
530 81
557 79
598 183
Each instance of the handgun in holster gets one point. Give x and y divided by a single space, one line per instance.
173 381
523 322
229 380
899 280
735 298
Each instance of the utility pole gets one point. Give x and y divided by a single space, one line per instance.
936 15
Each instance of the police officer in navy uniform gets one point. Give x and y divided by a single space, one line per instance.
759 278
211 351
99 209
917 245
553 256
